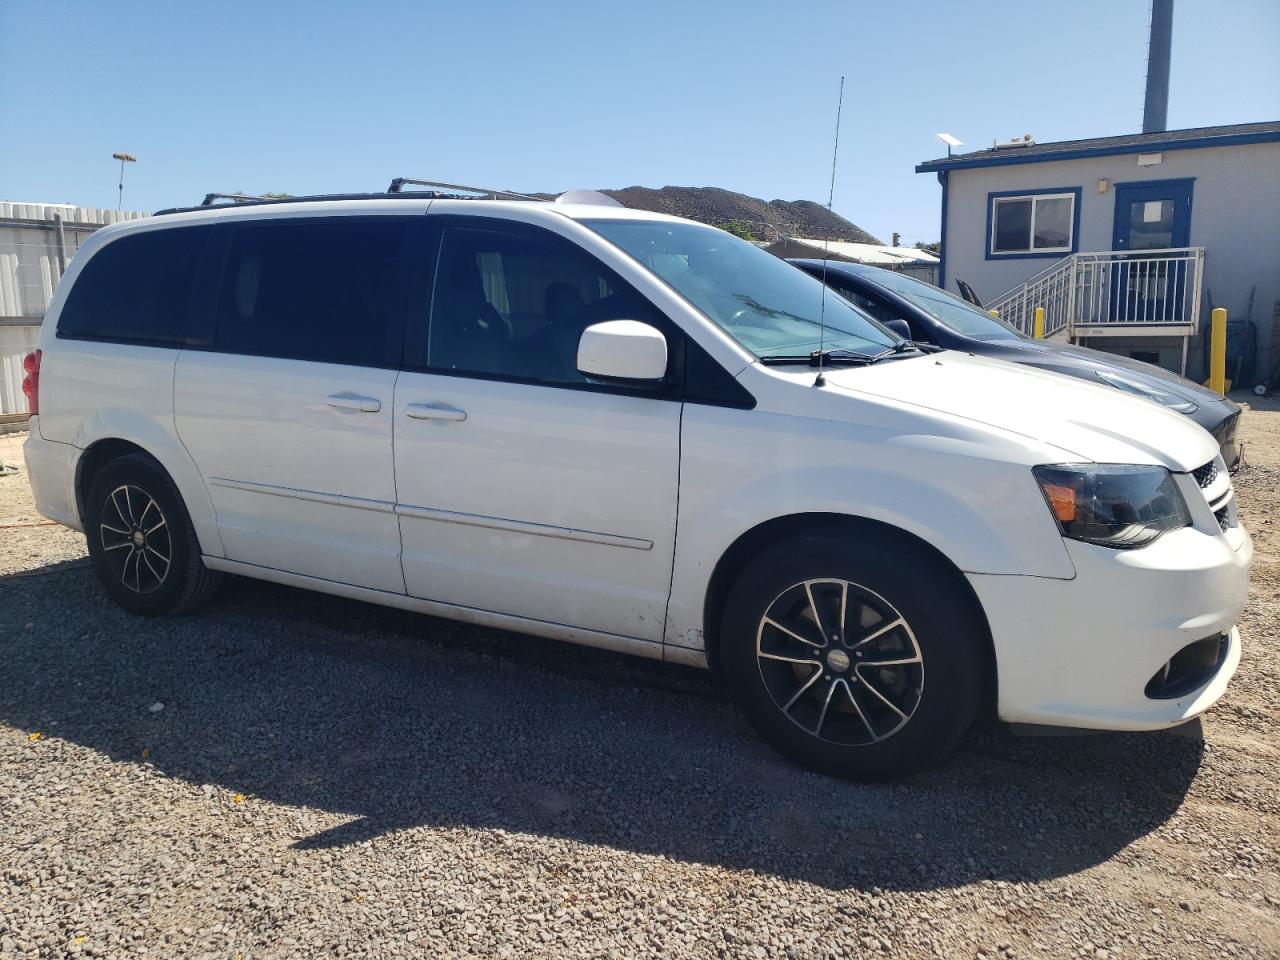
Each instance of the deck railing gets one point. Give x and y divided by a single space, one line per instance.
1116 288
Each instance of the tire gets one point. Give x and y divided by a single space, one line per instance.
141 541
889 689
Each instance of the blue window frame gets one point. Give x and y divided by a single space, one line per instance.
1033 223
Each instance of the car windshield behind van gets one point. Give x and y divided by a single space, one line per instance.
764 303
960 315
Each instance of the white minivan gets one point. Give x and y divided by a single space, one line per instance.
636 432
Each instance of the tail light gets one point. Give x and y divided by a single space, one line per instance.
31 382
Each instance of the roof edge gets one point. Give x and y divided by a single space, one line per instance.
1012 157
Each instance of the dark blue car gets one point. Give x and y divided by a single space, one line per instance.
925 313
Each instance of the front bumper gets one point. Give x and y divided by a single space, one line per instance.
1082 652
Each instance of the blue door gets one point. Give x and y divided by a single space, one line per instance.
1150 219
1152 216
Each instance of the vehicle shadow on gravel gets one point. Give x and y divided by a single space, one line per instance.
402 721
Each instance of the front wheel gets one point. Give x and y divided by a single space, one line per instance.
855 656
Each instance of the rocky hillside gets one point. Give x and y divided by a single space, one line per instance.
766 219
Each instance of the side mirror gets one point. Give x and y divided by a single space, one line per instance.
900 327
623 350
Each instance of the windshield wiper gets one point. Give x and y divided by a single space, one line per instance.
821 357
917 345
838 357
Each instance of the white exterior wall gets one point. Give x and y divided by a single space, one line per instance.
1235 216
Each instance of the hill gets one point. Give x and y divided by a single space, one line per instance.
766 219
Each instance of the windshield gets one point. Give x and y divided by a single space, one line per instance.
960 315
770 307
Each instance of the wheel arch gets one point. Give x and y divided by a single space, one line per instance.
793 526
97 456
154 442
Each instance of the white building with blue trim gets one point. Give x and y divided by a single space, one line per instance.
1127 242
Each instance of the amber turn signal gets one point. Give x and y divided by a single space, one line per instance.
1062 500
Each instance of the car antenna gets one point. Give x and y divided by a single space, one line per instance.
821 381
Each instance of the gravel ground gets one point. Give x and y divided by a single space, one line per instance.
291 775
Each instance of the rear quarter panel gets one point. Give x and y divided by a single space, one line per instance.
91 391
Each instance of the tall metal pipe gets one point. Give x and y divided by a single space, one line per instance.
1155 114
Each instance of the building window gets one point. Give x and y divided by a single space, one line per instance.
1032 224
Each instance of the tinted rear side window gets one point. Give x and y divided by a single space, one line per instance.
137 289
333 290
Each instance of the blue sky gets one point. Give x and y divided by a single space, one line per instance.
323 97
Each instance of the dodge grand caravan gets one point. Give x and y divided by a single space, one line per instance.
635 432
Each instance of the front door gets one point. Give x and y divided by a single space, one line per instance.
1151 218
523 488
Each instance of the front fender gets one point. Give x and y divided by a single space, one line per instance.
981 511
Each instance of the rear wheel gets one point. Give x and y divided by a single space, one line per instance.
856 656
141 541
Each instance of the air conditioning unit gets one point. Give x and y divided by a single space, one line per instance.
1026 140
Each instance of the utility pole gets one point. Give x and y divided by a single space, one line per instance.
123 158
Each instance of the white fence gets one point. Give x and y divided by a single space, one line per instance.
15 343
12 400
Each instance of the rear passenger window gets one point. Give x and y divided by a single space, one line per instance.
137 289
514 304
332 289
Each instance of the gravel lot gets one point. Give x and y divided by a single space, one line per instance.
291 775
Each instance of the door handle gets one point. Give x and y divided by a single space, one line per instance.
353 401
434 411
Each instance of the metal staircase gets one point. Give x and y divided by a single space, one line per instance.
1113 293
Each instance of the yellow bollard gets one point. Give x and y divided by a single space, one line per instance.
1218 351
1037 329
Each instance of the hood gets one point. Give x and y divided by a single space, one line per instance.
1087 421
1157 377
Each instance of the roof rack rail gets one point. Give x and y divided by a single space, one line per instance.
265 201
399 183
442 191
209 198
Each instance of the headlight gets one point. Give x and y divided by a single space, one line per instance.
1114 505
1163 397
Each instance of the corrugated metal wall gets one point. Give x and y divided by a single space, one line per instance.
37 240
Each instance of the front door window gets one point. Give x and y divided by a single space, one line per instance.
514 304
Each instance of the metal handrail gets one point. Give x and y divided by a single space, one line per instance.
1052 268
1158 287
1130 254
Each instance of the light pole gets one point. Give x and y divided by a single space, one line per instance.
123 158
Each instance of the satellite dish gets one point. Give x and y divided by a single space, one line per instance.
588 196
